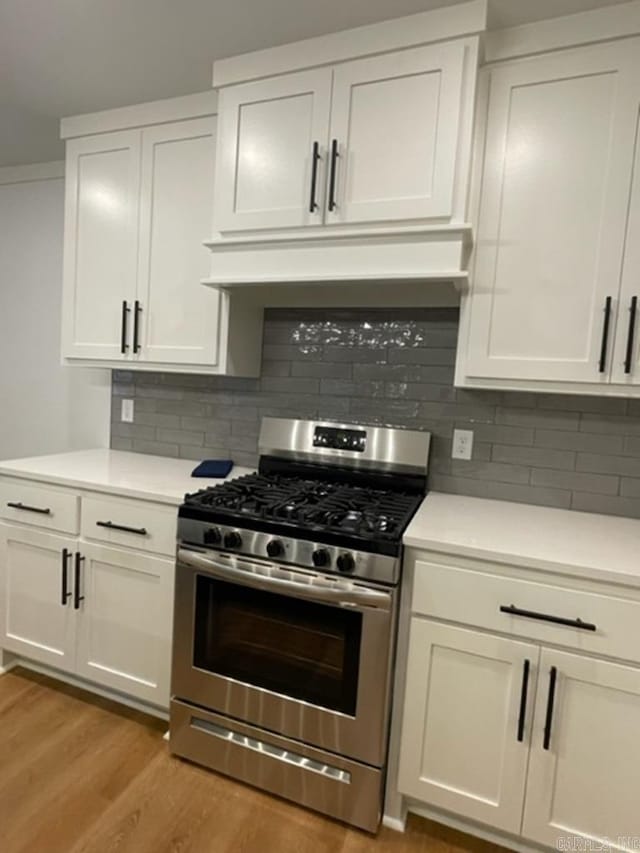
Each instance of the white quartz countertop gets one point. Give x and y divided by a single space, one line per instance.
597 547
134 475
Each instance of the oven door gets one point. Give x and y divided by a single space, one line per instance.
301 654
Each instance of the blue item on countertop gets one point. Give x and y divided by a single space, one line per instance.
213 468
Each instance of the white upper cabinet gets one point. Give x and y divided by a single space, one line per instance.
347 157
272 136
101 241
625 368
178 318
373 140
394 131
545 303
139 205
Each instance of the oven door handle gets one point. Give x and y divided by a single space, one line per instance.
359 597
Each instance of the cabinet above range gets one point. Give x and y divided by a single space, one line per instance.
347 156
139 201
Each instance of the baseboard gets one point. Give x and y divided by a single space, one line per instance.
520 845
396 823
90 687
8 667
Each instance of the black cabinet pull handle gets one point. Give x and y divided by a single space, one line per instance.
136 326
546 617
124 346
553 674
523 700
315 156
140 531
77 598
27 508
605 335
332 176
66 556
633 310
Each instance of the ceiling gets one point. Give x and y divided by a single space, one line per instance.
65 57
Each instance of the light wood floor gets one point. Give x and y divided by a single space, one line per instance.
79 774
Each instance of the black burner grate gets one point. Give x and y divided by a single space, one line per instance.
311 505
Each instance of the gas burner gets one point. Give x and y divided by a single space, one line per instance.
315 508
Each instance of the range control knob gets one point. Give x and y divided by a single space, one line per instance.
346 563
212 536
232 539
275 548
321 558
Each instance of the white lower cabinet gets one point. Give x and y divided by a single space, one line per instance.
104 614
124 622
465 736
586 783
526 739
34 575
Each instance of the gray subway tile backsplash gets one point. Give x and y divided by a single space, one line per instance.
536 418
611 424
631 445
628 466
537 457
599 484
501 435
395 367
630 487
156 448
587 502
580 441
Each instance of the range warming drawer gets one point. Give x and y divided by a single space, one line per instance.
336 786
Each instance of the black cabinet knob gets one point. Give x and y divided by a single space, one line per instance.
346 563
275 548
212 536
232 539
320 558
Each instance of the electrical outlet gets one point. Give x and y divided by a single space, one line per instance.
462 444
126 412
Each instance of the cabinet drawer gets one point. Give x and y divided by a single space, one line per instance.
476 598
134 524
38 505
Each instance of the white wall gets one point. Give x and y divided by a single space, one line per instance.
44 407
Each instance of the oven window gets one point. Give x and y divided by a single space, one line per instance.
293 647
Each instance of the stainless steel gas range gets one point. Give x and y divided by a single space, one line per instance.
285 614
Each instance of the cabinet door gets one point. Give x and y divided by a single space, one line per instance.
395 119
101 243
179 317
265 160
555 192
626 355
466 728
125 622
586 783
36 617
